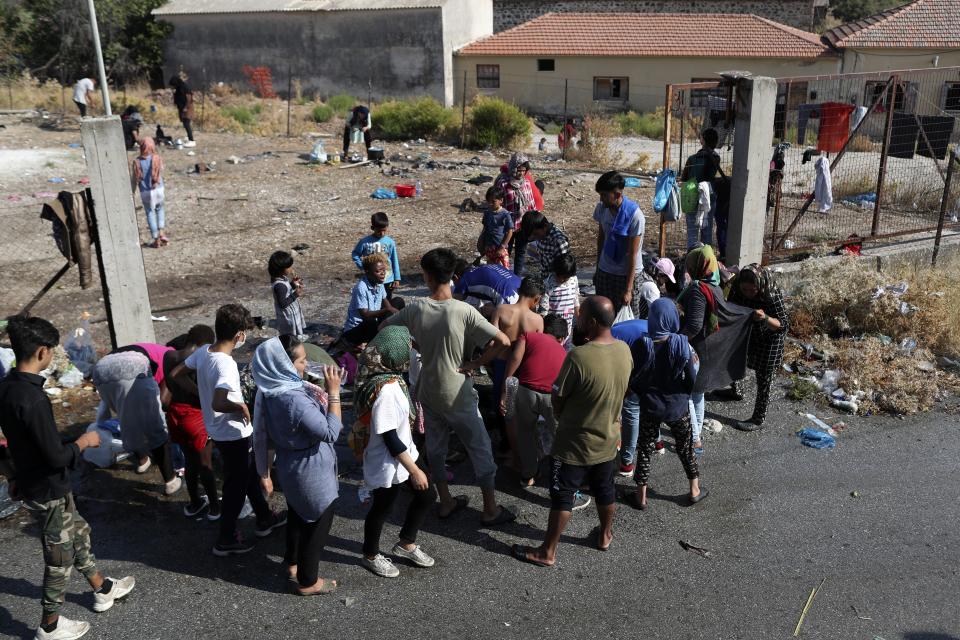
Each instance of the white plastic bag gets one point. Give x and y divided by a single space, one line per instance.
318 154
624 315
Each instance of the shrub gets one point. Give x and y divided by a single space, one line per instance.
648 125
261 79
420 118
322 113
495 123
341 103
241 114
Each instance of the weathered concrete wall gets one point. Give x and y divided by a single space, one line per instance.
401 52
464 21
796 13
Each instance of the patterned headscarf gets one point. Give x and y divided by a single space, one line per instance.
703 269
383 361
518 192
760 276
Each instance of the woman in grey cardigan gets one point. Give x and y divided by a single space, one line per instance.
303 423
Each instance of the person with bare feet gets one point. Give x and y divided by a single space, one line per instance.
665 370
444 330
587 395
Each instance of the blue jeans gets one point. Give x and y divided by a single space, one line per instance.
629 428
698 405
156 219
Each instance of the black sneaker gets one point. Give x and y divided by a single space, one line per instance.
276 521
192 511
235 548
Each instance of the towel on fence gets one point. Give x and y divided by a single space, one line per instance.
823 187
939 130
903 136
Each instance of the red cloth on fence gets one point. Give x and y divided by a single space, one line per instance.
834 126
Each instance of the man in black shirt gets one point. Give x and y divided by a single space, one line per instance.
41 464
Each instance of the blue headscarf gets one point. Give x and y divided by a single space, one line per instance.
272 369
663 324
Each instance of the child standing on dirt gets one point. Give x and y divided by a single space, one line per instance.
497 231
379 242
148 177
287 289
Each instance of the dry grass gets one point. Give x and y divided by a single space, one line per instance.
596 151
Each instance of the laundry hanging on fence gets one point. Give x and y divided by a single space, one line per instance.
903 135
939 130
823 187
834 126
71 215
804 113
858 115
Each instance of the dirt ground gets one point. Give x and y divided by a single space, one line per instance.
223 225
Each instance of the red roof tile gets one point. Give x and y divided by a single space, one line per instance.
655 35
922 24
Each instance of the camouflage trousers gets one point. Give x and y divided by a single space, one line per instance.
65 536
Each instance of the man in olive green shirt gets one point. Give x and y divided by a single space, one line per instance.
587 398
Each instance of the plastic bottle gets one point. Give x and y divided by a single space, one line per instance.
419 189
512 384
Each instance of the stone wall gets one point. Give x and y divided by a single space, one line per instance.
796 13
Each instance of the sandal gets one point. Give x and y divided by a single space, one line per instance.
461 503
631 499
520 552
506 515
595 536
703 494
326 587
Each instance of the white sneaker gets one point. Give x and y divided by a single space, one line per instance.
120 588
417 556
381 566
67 629
190 144
142 468
170 488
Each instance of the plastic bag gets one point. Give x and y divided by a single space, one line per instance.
318 154
689 196
384 194
671 213
511 385
816 439
624 315
666 180
70 378
79 346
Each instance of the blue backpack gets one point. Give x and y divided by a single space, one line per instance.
666 180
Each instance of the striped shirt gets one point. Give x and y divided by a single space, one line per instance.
555 243
562 299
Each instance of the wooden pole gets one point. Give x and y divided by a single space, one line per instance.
884 152
463 112
952 159
563 125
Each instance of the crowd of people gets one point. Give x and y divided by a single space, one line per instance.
581 387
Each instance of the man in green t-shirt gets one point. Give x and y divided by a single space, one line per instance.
587 397
447 332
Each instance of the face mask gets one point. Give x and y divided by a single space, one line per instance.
240 343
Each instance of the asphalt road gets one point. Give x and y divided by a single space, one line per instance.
780 518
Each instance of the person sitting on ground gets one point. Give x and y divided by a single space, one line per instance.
550 241
497 230
379 242
562 295
485 287
287 288
656 279
359 125
445 330
147 172
587 395
663 377
390 457
702 167
185 422
368 302
83 93
127 388
183 100
756 287
303 423
131 121
42 462
535 361
620 225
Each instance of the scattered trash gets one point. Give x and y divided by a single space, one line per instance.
43 195
816 439
846 405
300 248
631 181
865 200
926 365
349 601
317 154
895 290
288 209
806 607
70 378
384 194
907 309
159 318
802 388
56 180
907 346
75 145
469 205
191 153
820 423
947 363
789 244
829 381
53 391
857 613
405 190
711 425
854 494
84 181
79 346
695 549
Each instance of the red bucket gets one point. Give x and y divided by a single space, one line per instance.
405 190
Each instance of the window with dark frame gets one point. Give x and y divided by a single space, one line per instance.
546 64
951 96
488 76
611 89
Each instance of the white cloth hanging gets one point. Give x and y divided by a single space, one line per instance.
823 187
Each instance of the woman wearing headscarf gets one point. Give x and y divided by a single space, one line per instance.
128 390
755 287
303 423
385 410
521 194
148 176
663 377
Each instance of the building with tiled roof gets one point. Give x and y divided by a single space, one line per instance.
624 60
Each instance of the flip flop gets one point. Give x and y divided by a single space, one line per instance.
520 551
506 515
461 504
631 499
595 536
703 494
329 586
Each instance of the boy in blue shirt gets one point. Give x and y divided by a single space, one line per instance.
380 242
497 230
368 302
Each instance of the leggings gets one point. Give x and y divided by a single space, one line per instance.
240 480
305 543
764 381
649 429
189 128
196 471
383 499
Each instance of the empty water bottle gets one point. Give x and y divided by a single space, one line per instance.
511 395
419 189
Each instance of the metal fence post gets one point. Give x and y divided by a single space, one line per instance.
563 124
891 93
289 96
953 159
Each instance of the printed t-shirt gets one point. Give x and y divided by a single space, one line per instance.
489 283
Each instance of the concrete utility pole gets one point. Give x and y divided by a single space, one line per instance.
122 273
104 91
752 146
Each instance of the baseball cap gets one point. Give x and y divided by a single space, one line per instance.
665 266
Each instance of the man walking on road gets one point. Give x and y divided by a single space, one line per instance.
587 396
41 478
